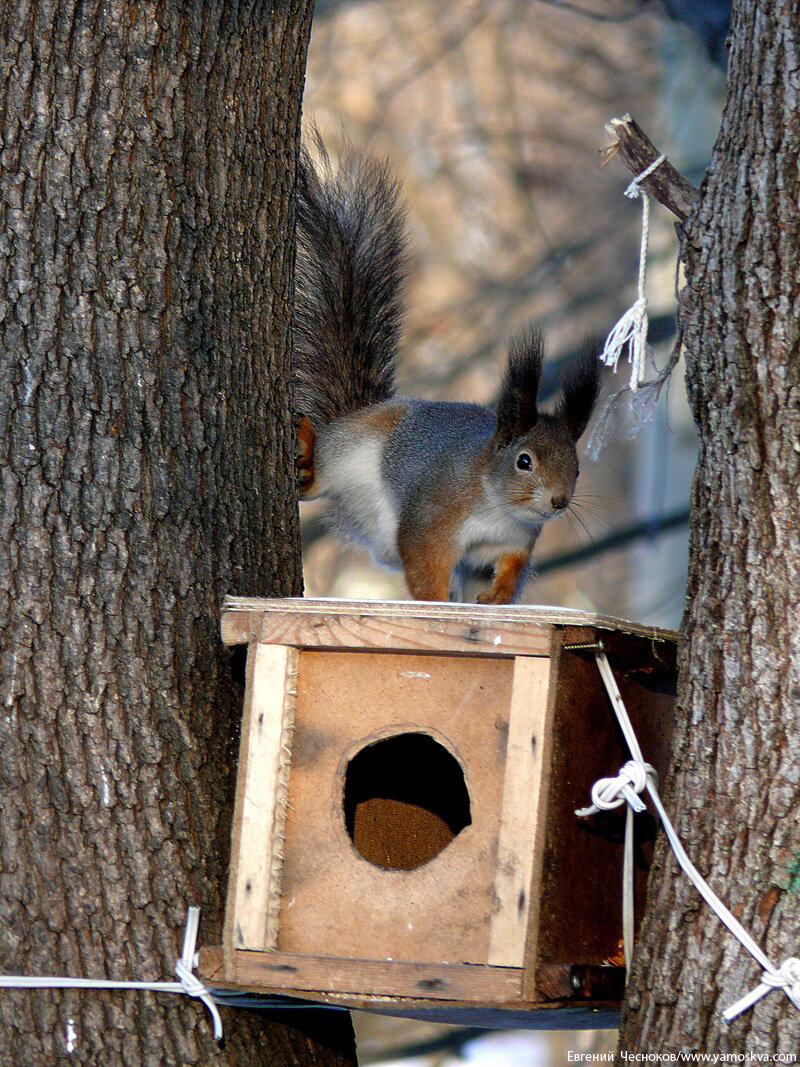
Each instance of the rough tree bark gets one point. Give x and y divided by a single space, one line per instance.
735 786
146 168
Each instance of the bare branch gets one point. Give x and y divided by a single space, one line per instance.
637 152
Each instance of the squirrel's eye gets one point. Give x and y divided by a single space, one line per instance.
524 461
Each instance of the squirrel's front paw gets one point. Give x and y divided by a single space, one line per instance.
508 571
496 596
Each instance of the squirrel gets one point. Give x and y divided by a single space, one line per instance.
454 493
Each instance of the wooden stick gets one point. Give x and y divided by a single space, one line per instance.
520 845
637 152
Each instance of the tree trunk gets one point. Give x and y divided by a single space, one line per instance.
735 787
147 168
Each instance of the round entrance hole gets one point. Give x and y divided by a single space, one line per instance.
405 799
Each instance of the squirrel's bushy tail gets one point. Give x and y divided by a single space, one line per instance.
349 279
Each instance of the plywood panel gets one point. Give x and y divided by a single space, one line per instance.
337 903
581 884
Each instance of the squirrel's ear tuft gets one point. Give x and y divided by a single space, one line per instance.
580 387
516 406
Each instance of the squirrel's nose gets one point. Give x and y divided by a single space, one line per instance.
559 502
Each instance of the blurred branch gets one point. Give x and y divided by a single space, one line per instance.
452 1042
324 8
449 42
647 529
625 15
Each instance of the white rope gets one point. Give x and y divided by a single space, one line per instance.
787 975
184 968
609 793
632 327
188 984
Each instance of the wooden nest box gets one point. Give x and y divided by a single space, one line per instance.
404 833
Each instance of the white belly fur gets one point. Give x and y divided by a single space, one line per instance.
358 500
488 533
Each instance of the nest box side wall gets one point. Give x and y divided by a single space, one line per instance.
580 916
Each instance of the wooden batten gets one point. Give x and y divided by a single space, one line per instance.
519 852
513 910
260 808
461 628
498 1004
396 978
